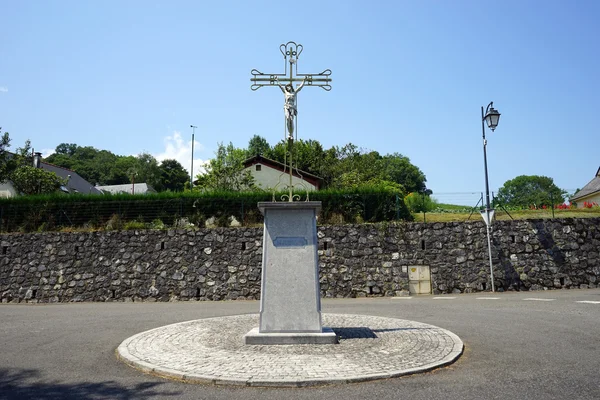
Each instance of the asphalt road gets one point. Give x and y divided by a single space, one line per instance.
514 348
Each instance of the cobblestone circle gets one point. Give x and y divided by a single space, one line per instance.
212 351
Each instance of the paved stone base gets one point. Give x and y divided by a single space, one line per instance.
212 351
328 336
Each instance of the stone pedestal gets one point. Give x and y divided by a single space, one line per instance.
290 302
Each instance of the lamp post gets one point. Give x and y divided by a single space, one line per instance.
491 117
192 165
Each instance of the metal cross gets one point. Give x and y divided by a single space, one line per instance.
291 52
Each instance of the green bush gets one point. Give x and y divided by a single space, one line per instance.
133 225
114 223
157 224
113 212
419 202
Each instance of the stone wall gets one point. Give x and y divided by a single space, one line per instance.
355 260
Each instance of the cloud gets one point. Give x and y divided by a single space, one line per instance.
3 89
181 150
46 152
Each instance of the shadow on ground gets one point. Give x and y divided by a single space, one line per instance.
28 384
359 332
355 332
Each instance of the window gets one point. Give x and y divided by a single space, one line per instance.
258 167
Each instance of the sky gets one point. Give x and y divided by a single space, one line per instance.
409 77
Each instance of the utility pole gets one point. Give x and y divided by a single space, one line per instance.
192 164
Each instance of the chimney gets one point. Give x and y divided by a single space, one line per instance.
37 159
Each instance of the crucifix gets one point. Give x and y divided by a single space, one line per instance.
290 242
291 52
288 83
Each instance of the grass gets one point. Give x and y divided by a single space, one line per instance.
450 216
453 207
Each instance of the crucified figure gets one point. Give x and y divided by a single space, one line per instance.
289 107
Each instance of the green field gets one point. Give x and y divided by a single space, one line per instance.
449 212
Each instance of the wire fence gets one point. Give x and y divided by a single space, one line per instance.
140 212
186 212
476 199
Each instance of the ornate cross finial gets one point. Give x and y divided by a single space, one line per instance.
288 83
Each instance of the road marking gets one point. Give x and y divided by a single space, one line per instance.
536 299
588 302
401 298
444 298
488 298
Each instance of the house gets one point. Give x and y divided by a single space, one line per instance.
130 188
269 174
73 182
7 189
590 192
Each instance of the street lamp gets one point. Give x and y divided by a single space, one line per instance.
491 117
192 166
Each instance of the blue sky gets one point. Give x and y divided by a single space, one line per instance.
408 77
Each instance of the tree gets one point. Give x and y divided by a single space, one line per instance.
420 202
173 175
63 160
530 190
5 158
258 146
308 155
147 171
350 166
226 171
370 168
95 166
17 167
76 158
398 168
105 168
30 180
9 162
68 149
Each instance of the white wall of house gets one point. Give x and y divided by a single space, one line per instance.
7 190
138 188
268 177
592 198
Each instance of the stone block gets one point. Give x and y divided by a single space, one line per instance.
290 294
326 336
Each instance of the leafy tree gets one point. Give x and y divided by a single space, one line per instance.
102 166
19 170
226 171
258 146
95 166
398 168
308 155
147 171
5 165
338 167
122 171
105 168
63 160
9 162
420 202
370 168
350 166
530 190
30 180
278 152
68 149
173 175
